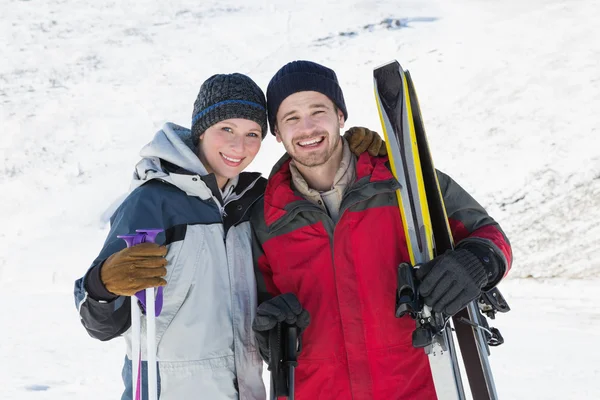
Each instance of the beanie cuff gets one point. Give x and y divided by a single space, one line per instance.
226 110
302 81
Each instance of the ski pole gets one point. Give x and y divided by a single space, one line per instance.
292 347
285 344
152 304
275 362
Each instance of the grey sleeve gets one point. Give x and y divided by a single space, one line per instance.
471 224
262 270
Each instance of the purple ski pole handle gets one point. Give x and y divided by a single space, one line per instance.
149 236
145 236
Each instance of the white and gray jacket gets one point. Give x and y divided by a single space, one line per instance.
206 348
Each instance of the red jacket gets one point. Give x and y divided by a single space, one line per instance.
344 274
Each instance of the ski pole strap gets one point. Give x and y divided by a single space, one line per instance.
158 300
138 379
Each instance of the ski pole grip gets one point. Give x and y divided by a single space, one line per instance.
149 235
145 236
291 345
129 239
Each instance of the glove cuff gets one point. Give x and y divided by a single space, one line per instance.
493 265
95 287
473 266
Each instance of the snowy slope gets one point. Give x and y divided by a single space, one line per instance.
549 353
509 96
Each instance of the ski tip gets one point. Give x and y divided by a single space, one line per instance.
394 63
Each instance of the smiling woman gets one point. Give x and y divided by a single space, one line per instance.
227 147
190 184
228 124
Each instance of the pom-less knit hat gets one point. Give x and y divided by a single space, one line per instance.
300 76
225 96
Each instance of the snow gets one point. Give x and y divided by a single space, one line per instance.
509 94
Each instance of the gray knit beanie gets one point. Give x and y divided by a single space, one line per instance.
225 96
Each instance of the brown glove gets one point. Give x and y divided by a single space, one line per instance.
135 268
362 139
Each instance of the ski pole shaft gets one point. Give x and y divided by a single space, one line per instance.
151 345
275 365
291 361
285 344
149 235
136 332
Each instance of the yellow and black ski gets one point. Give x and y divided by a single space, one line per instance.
427 234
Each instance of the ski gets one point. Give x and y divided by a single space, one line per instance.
471 340
427 234
435 336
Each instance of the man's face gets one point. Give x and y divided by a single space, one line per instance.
308 124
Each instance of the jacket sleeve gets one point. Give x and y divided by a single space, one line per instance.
266 288
470 223
106 319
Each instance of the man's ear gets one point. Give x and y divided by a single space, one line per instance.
341 118
277 134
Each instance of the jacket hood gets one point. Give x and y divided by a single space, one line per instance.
173 144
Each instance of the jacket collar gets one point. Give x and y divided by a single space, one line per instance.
280 197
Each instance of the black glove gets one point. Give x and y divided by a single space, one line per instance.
451 281
283 308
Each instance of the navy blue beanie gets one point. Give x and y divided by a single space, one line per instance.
301 76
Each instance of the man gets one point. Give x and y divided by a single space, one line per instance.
328 239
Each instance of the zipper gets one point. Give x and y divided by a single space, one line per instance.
233 198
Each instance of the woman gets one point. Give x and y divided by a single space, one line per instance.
190 184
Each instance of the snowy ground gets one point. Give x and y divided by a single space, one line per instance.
509 91
550 351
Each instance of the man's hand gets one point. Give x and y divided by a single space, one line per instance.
362 139
283 308
452 280
135 268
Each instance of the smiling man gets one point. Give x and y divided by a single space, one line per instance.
327 241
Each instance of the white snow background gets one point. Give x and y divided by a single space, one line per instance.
509 93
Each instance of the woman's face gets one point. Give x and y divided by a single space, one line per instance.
227 147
